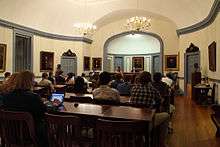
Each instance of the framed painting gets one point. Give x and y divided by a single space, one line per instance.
86 63
46 61
97 63
2 57
138 63
212 56
171 62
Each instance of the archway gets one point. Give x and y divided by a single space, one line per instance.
156 58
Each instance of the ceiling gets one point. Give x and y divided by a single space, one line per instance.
51 15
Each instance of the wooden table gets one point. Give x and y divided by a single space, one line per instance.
123 99
201 92
60 88
107 111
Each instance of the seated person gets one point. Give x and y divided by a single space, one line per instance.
144 93
51 77
80 87
59 79
70 78
168 79
161 86
45 82
84 77
22 98
6 76
104 91
124 88
118 80
8 85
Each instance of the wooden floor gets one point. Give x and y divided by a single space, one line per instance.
192 125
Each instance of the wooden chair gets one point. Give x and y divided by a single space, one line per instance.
211 98
63 131
18 129
216 118
80 99
120 133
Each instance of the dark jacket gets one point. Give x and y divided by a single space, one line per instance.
24 100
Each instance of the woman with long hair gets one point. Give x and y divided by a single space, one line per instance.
21 98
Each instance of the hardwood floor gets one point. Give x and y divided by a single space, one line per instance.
192 125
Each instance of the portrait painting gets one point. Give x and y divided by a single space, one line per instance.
86 63
138 63
46 61
212 56
2 57
171 62
97 63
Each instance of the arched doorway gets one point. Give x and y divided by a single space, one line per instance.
127 49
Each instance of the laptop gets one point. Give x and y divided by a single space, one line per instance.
57 98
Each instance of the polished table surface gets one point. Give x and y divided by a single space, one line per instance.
107 111
123 99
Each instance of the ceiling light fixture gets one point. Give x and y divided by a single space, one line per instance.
138 23
85 29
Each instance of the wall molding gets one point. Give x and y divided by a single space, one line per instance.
12 25
214 80
204 23
151 54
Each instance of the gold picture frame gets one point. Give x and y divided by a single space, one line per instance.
3 48
138 63
86 63
97 63
46 61
172 62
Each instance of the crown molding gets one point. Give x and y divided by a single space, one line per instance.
204 23
12 25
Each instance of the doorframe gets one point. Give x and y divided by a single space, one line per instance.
186 55
105 48
25 34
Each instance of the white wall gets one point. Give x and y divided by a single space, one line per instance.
134 44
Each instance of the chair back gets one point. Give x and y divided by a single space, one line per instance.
213 93
80 99
63 131
18 128
120 133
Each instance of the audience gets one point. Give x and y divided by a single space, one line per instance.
51 77
104 91
80 86
124 88
45 82
84 77
70 80
168 79
59 79
21 98
145 94
161 86
118 80
8 85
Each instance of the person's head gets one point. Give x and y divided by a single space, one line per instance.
50 74
44 75
83 75
169 75
104 78
9 85
24 80
7 74
58 66
157 77
118 76
118 68
144 78
79 85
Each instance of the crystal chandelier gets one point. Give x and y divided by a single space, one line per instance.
87 29
138 23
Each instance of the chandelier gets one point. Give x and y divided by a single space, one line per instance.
138 23
86 29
